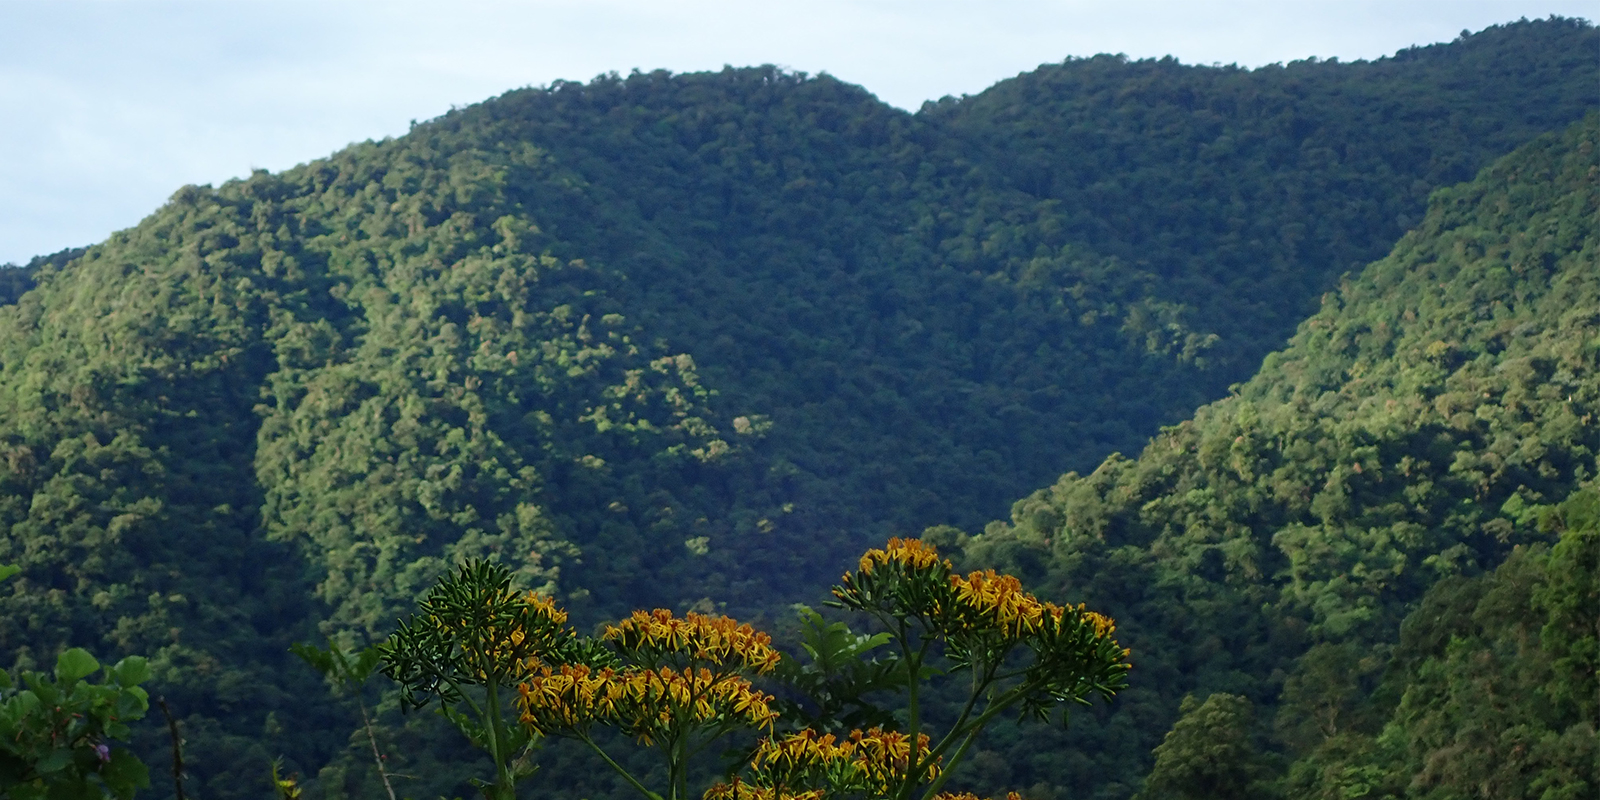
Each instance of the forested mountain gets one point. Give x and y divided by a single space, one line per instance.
880 283
698 339
16 280
1418 428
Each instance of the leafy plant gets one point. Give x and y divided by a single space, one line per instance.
350 672
58 730
470 642
677 684
1016 651
288 788
831 688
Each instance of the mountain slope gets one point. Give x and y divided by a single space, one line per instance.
1412 430
667 340
1215 183
272 406
1439 724
932 338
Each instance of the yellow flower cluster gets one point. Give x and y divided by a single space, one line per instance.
739 790
717 640
799 750
999 600
568 697
914 553
509 648
971 796
874 762
547 608
884 758
644 702
1103 625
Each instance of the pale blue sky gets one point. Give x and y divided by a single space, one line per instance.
111 105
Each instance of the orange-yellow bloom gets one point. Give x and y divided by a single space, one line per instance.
643 702
719 641
884 758
999 600
872 762
740 790
913 553
803 749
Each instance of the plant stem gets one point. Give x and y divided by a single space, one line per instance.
966 712
938 783
913 675
627 776
177 747
372 739
504 783
679 769
976 727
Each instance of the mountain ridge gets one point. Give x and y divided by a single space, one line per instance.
1416 428
655 340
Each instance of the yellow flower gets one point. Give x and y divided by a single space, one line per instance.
801 749
913 553
1103 625
546 606
720 641
883 758
739 790
645 703
873 762
1000 601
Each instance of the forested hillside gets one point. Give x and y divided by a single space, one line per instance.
1417 429
933 334
696 340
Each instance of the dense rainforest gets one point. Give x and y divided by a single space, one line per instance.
1287 544
695 341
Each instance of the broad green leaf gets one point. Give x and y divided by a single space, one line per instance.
132 703
23 704
125 773
75 665
57 760
32 791
131 671
365 662
320 660
47 691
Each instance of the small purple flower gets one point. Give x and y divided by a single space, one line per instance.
104 752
